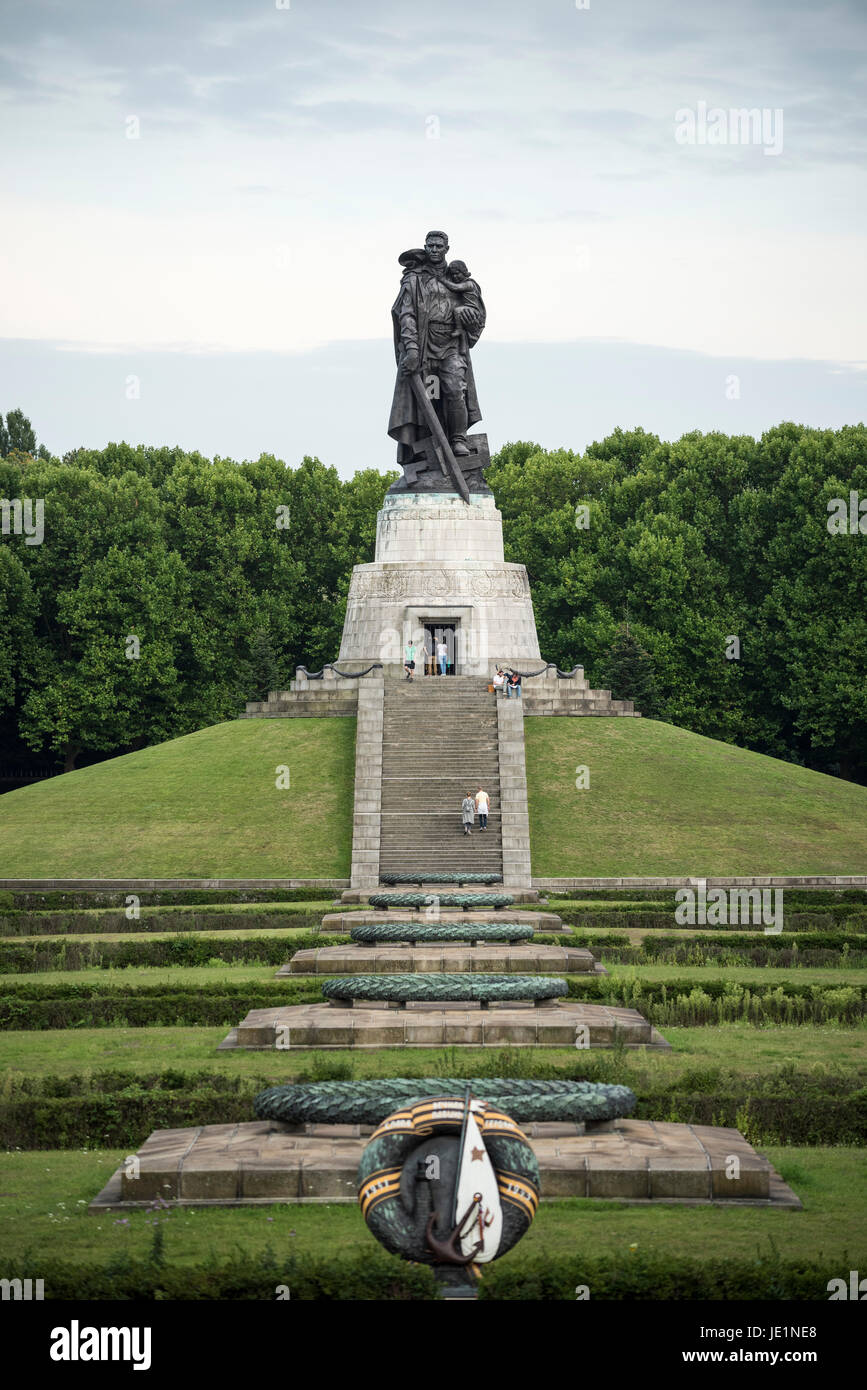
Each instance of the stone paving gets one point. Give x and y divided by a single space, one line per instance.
567 1024
265 1161
523 959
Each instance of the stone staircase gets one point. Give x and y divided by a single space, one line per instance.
311 700
440 740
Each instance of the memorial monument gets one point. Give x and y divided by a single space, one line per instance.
440 574
447 1177
440 597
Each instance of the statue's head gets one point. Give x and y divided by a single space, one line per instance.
436 244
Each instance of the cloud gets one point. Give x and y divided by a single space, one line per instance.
284 161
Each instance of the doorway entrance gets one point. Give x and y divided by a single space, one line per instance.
438 635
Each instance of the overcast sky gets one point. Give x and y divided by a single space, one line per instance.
285 157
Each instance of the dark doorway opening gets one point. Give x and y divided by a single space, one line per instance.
437 637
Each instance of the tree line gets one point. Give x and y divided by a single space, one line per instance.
699 577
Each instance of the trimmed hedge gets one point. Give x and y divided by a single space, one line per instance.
58 954
119 1109
57 900
81 923
679 1003
683 1004
125 1121
220 1003
836 949
652 919
658 1278
31 923
810 897
373 1274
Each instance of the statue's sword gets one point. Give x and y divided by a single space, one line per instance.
442 448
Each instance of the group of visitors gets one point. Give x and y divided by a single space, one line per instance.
470 806
442 659
510 681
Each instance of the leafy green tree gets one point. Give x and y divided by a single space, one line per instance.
19 433
229 575
629 673
264 674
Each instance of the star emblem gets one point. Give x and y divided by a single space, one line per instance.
477 1154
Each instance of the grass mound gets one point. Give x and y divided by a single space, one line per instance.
206 805
662 801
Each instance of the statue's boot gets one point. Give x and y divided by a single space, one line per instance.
458 423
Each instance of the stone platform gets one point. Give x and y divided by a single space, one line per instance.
523 959
422 1024
540 921
262 1162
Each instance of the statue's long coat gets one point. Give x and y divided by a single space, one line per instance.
404 423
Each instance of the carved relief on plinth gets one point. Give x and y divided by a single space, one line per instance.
492 582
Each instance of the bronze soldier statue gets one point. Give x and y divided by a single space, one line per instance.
438 317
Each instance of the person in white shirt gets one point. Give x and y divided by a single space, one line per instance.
442 657
482 803
499 680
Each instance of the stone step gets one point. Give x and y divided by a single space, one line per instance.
434 858
430 958
466 849
406 791
327 1026
446 760
400 828
437 755
447 730
262 1161
484 842
443 731
433 826
440 740
446 862
435 759
450 730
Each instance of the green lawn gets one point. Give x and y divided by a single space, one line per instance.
151 912
203 806
43 1211
737 1047
241 972
662 801
287 934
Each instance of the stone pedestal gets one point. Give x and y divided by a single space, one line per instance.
440 560
453 958
325 1026
619 1160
